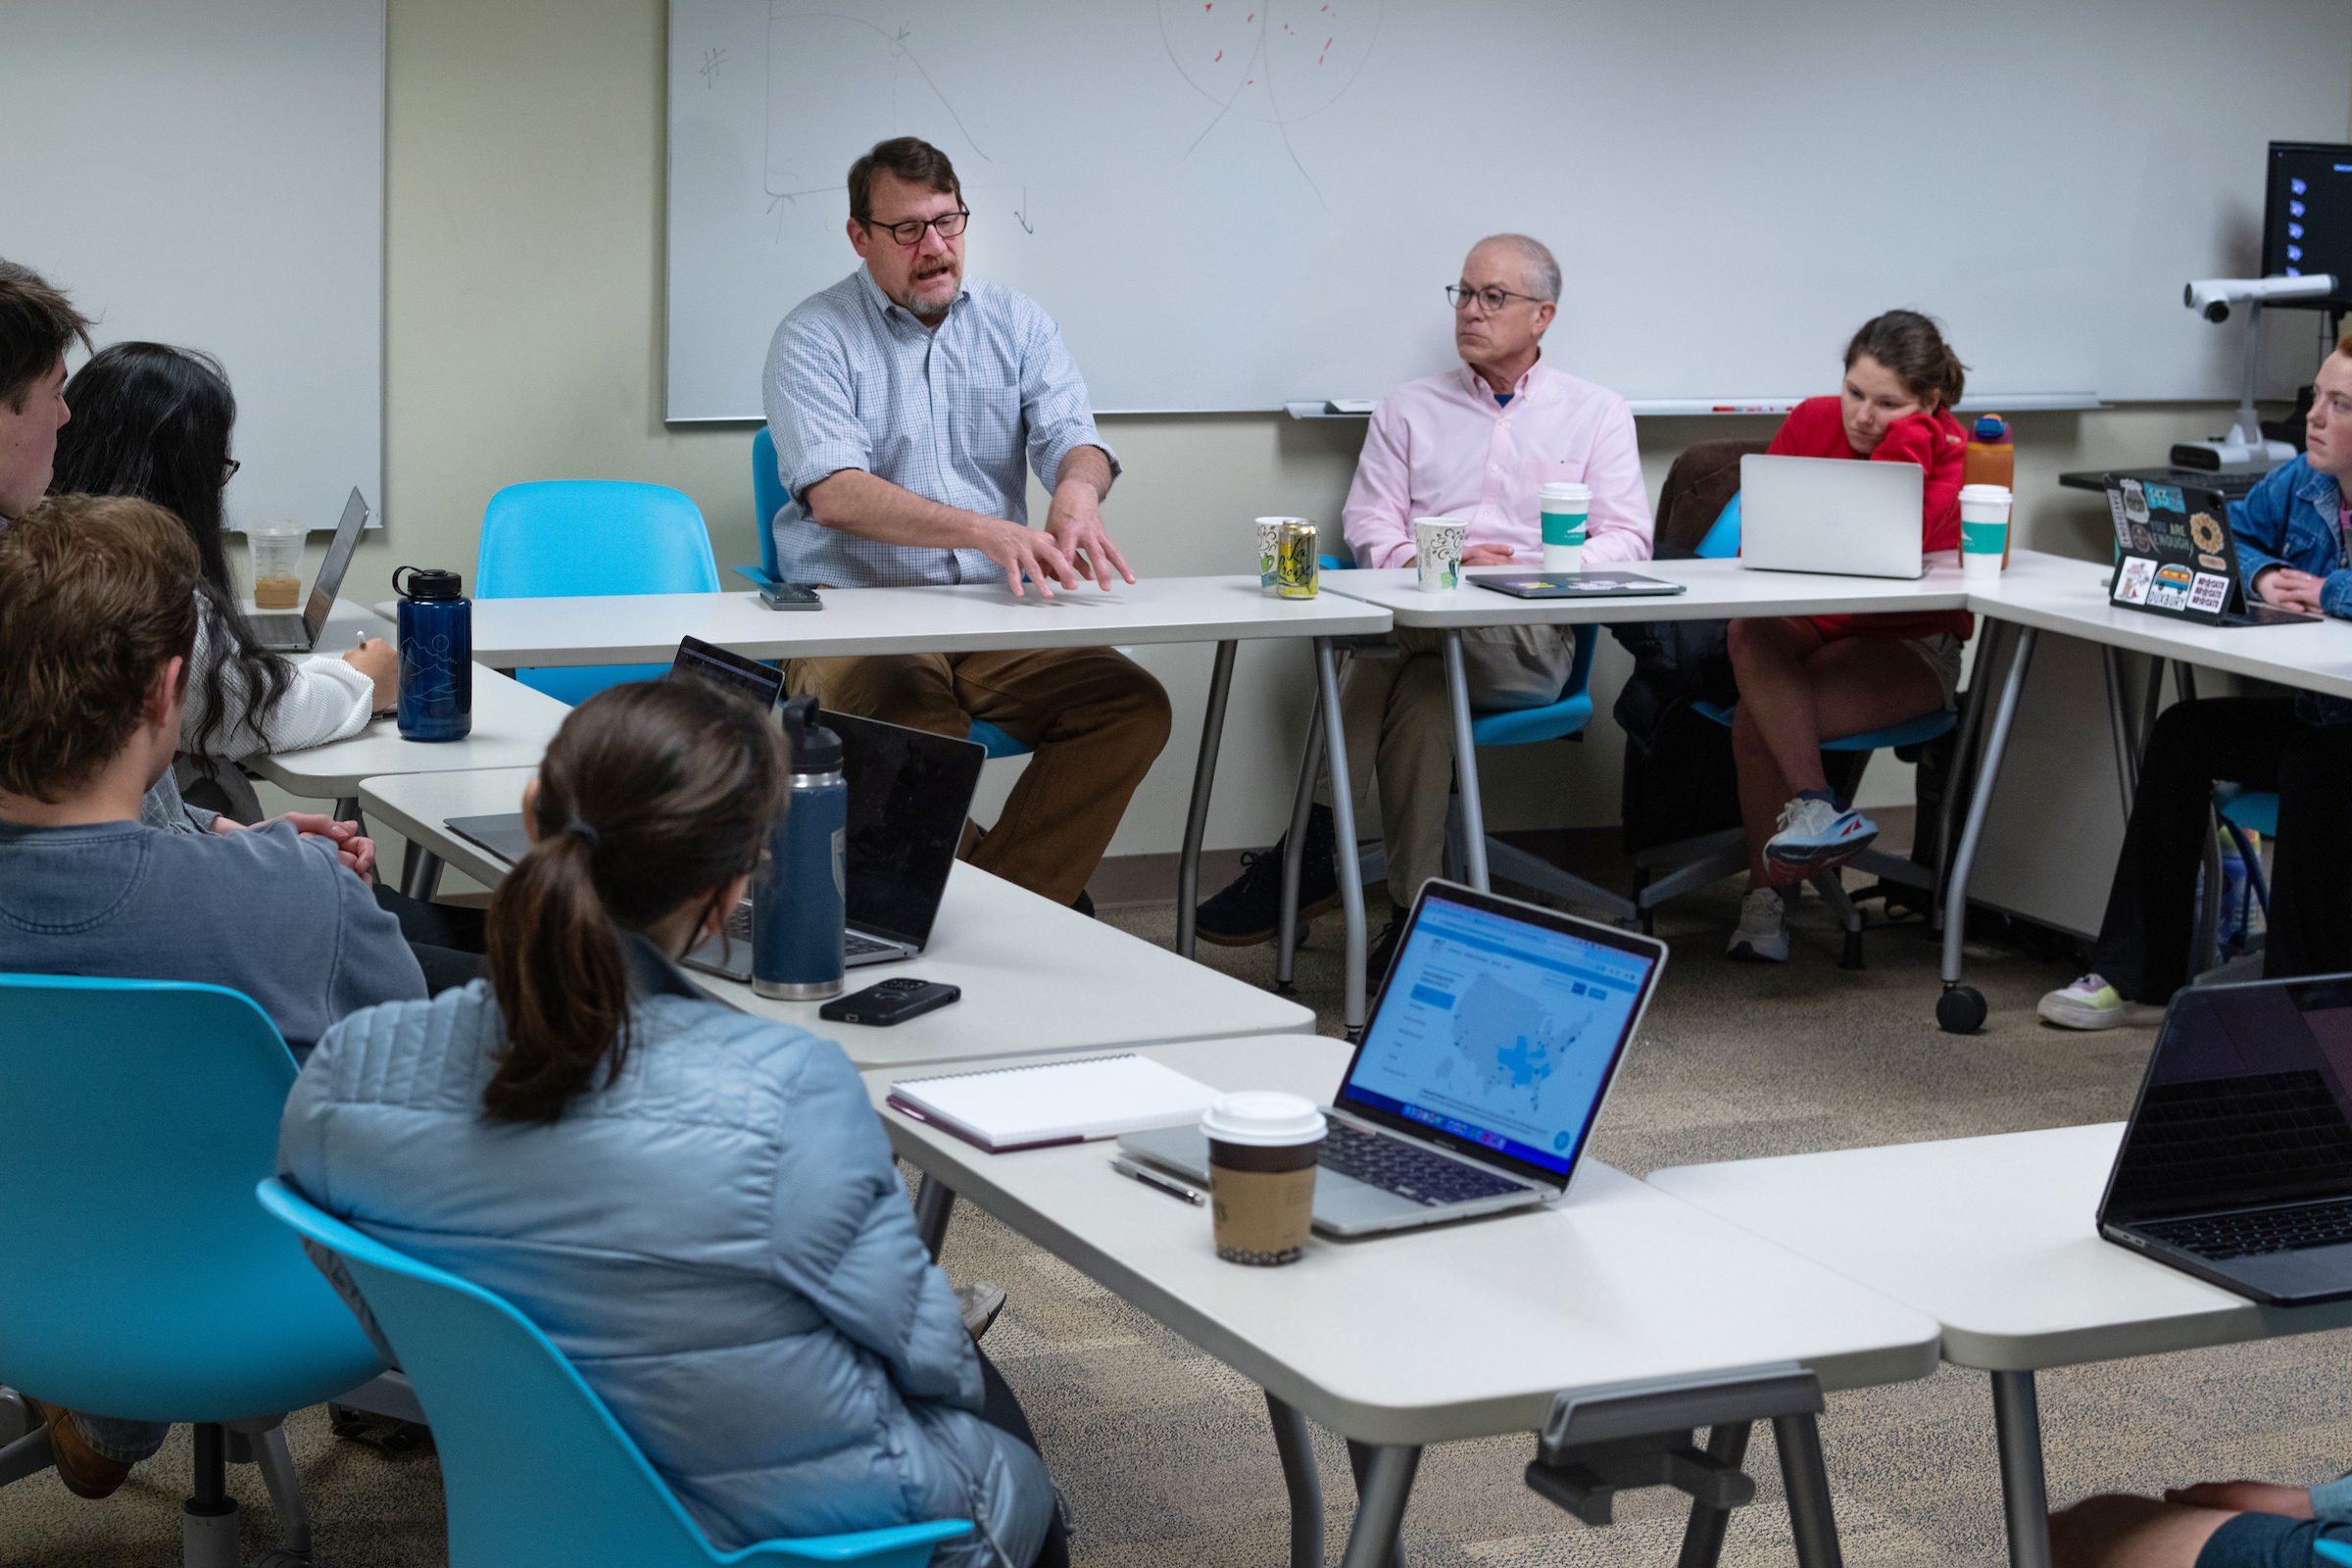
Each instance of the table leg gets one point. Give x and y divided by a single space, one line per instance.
1988 776
1298 1478
1204 774
1293 852
1465 771
934 1201
1811 1519
1384 1480
2025 1500
2184 679
2151 707
347 809
420 873
1972 721
1703 1536
2126 767
1343 812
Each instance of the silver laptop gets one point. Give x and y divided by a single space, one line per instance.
1833 514
299 634
1482 1071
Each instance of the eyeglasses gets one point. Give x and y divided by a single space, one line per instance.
911 233
1493 299
230 473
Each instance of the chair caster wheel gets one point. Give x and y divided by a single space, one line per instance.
1960 1011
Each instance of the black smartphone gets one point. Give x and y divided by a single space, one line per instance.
890 1002
789 596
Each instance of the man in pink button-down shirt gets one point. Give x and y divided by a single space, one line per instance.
1476 443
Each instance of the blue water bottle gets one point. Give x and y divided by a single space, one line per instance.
436 656
798 906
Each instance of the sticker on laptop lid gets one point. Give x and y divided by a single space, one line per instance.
2164 498
2205 531
2122 526
2169 590
2131 584
2135 500
2209 593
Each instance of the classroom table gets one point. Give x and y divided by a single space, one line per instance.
1439 1335
975 617
1995 1239
1036 977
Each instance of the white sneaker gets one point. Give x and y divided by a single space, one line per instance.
2090 1003
1763 934
1814 836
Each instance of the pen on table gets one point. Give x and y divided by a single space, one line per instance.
1154 1178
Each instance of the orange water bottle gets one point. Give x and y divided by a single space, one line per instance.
1992 459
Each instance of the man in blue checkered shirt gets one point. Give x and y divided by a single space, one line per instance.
903 401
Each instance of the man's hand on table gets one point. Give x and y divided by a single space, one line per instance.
1479 556
1075 519
1021 550
2290 589
357 853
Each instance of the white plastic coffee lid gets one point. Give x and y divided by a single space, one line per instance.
1974 492
1564 490
1266 1117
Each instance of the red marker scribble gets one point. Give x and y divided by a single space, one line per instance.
1221 56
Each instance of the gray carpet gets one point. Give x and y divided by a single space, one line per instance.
1165 1456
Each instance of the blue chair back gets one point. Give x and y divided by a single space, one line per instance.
1723 539
135 1276
767 499
534 1467
570 538
1570 713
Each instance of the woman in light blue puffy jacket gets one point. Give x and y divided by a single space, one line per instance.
697 1205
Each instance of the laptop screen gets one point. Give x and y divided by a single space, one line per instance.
727 670
2245 1103
909 794
1499 1028
334 565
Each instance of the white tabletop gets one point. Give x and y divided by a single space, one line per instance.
1036 977
645 628
511 726
1995 1237
1460 1331
2056 594
1719 590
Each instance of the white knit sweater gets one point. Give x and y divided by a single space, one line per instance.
328 699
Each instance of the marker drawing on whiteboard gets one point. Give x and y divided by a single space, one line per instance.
1280 74
896 46
1023 214
712 61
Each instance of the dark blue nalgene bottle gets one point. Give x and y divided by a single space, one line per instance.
436 656
798 905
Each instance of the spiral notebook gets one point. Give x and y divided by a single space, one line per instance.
1055 1102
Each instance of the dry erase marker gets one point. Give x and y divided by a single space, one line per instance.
1154 1178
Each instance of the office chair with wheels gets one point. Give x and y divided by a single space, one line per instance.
767 499
568 538
536 1469
140 1282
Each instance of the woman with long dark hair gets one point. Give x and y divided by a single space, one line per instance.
153 421
697 1205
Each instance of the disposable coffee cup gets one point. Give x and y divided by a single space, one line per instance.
1261 1175
1984 531
1269 549
276 544
1438 553
1564 509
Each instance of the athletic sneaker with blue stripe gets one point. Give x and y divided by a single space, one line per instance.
1814 836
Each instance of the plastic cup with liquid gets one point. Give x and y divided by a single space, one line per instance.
276 547
1261 1175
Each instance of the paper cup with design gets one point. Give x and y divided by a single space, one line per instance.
1269 549
1438 553
1261 1175
1564 509
1984 531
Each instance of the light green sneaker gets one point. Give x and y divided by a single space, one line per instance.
2090 1003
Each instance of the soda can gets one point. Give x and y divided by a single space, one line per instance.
1296 568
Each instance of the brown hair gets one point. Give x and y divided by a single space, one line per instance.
96 592
909 158
2344 345
37 322
1908 344
651 794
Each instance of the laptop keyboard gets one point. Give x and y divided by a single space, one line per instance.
2275 1230
1406 1170
852 945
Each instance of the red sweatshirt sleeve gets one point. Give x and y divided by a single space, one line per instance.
1935 442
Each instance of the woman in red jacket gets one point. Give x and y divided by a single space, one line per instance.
1805 679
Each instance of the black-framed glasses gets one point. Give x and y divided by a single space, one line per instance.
230 473
1492 298
911 233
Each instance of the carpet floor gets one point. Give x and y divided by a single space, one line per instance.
1165 1456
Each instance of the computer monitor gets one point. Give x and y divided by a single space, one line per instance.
2306 220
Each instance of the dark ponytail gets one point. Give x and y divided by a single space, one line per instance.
1908 344
650 795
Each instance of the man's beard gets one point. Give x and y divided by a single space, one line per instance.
913 306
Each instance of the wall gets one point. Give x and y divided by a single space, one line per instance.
523 341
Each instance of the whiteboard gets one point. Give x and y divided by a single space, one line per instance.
1236 203
211 173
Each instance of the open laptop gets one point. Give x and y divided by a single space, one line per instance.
283 633
2176 553
1482 1071
1831 514
2236 1165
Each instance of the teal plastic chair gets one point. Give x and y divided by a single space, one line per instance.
1696 863
534 1467
572 538
767 499
140 1282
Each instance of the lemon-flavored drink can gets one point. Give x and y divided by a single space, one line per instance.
1294 573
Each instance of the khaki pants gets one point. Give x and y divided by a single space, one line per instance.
1096 718
1399 727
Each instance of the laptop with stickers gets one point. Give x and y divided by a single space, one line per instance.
2177 555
